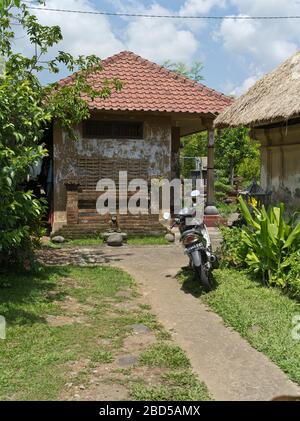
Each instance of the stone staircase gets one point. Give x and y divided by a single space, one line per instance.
91 224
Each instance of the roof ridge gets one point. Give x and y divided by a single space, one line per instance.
160 67
182 92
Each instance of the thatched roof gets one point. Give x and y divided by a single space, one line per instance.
274 98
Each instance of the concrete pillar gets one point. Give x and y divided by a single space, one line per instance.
210 209
72 204
210 168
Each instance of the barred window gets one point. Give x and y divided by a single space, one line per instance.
112 129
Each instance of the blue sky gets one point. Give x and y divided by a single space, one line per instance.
234 53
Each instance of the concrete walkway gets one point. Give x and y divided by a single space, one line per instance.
230 367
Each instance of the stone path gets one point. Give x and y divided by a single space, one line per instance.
230 367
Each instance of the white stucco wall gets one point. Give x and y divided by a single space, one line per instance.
280 172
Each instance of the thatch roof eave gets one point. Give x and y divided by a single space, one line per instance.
273 98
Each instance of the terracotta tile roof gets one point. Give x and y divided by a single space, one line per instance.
150 87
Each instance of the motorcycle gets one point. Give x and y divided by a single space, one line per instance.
197 244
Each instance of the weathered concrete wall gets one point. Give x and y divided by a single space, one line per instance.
280 172
155 147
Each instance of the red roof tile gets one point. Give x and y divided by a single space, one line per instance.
150 87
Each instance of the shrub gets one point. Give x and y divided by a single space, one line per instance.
222 188
26 108
249 169
233 250
270 240
292 278
267 246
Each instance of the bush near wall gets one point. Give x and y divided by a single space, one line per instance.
267 247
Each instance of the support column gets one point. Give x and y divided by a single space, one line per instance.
175 148
211 214
210 168
72 187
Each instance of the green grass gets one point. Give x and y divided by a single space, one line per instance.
261 315
150 240
93 242
37 358
102 356
177 384
83 242
182 392
34 356
164 355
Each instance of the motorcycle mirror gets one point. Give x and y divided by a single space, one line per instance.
195 193
166 215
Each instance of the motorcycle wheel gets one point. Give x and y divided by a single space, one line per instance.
205 278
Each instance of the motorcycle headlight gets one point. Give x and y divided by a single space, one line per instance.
190 239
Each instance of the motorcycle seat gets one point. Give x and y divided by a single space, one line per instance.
188 212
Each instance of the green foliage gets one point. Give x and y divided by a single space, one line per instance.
181 385
249 168
164 355
291 278
193 72
102 356
222 188
227 209
26 108
267 245
193 146
235 151
233 249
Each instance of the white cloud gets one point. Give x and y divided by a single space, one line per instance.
267 7
82 33
199 7
160 39
155 39
248 82
268 42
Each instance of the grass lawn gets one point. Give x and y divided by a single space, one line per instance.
85 242
261 315
67 329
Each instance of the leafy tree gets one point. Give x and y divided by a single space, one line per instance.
194 145
193 72
235 150
249 168
26 108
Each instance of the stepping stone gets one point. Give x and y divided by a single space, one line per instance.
170 237
115 240
58 239
127 361
140 328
